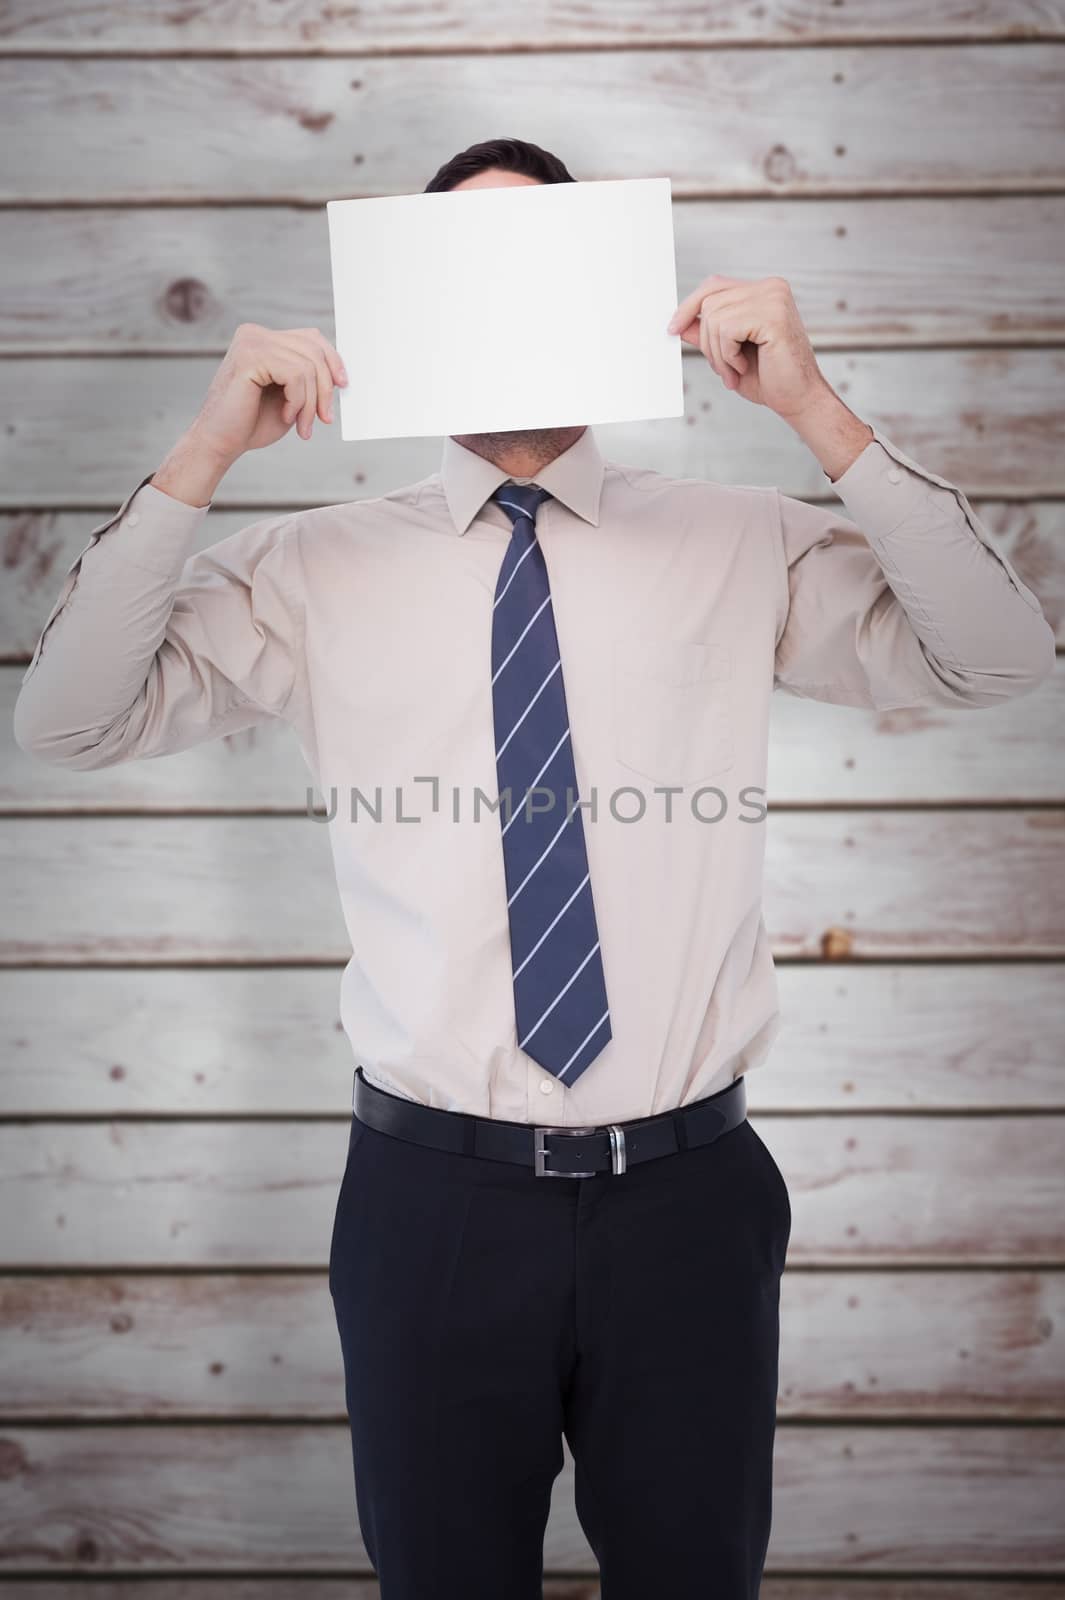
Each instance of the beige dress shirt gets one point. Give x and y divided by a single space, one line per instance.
680 605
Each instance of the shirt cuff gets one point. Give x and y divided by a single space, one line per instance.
151 529
882 487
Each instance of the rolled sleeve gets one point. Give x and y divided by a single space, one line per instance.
906 601
150 649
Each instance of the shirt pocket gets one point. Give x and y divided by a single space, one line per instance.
673 708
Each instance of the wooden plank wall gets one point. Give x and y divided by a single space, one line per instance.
171 1404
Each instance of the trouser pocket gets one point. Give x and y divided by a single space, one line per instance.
775 1179
336 1240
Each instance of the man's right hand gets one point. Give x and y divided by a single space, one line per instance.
269 379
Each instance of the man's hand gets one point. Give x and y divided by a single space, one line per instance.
753 337
267 380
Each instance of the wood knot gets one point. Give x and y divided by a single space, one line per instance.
316 121
779 164
836 944
186 300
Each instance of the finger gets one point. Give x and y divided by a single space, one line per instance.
295 397
332 357
706 344
296 372
325 391
689 306
732 348
291 386
321 349
721 366
307 348
735 319
686 312
324 384
310 404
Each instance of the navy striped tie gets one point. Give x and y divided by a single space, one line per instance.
560 1003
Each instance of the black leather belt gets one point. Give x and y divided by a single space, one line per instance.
550 1151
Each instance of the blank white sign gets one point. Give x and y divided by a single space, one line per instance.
529 306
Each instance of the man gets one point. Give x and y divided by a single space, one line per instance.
535 688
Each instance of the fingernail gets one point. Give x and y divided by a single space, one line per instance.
343 374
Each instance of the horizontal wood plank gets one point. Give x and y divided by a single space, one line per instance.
919 883
311 27
864 272
819 755
860 884
86 430
923 1038
886 1345
865 1191
159 1497
950 117
171 889
202 1041
920 755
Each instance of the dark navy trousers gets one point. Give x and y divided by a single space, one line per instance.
485 1312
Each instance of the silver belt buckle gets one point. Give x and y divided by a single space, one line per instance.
617 1150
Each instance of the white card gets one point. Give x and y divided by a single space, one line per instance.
529 306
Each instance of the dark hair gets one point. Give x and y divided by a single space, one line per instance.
511 155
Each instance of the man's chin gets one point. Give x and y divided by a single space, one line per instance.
543 443
522 437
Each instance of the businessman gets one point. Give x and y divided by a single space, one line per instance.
535 688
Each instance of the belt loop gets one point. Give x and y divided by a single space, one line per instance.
469 1136
681 1131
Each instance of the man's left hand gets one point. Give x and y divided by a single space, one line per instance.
752 335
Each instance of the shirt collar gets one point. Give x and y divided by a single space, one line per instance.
575 477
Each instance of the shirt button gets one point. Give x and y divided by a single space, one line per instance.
133 518
546 1086
894 476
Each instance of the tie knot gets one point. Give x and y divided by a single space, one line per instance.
521 500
